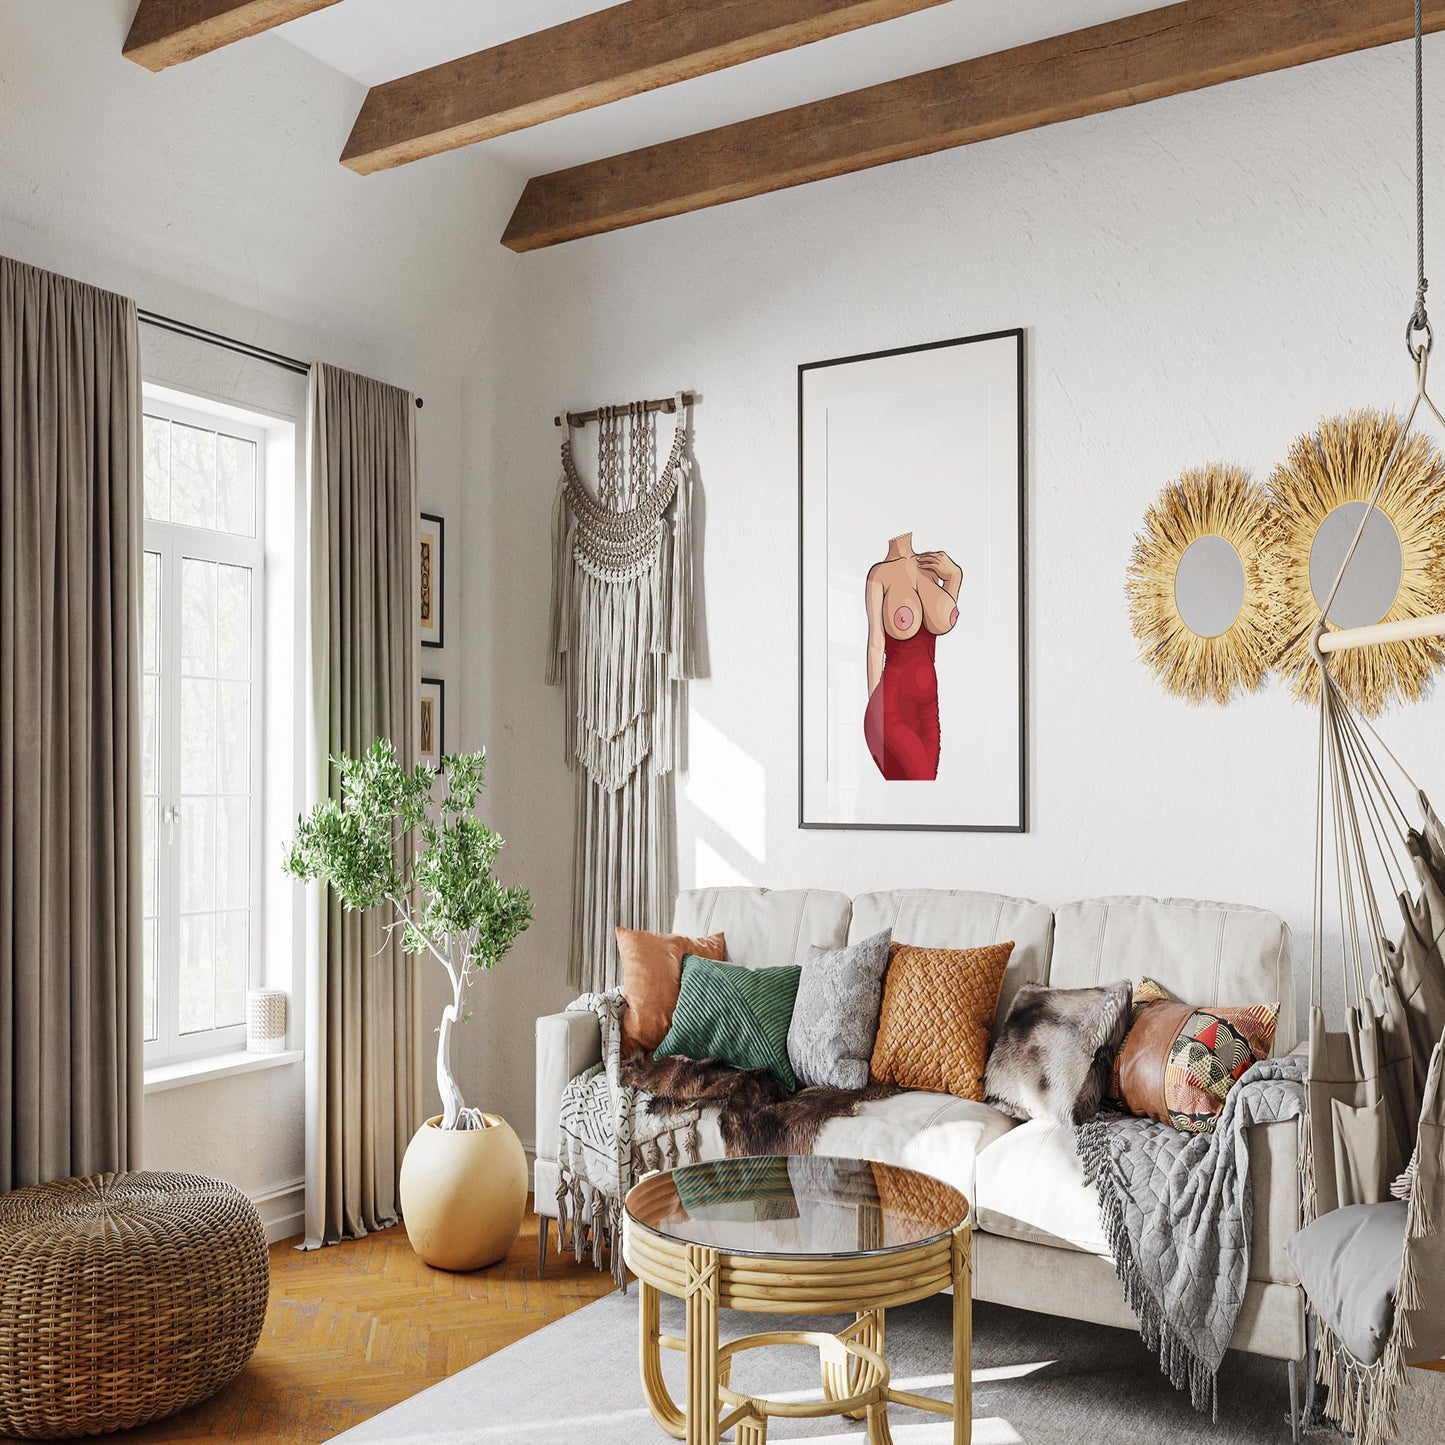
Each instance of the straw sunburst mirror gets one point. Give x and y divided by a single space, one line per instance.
1320 494
1201 585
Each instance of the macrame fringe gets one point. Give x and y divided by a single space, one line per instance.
596 1219
621 642
1362 1399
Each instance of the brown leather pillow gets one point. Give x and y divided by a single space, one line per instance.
1179 1060
937 1017
651 977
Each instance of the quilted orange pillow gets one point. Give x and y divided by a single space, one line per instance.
937 1017
651 978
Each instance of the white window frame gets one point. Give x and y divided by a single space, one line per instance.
173 541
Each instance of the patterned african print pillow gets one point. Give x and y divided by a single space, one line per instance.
1179 1062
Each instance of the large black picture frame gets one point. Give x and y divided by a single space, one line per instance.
1019 823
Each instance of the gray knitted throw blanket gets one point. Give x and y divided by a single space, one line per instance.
1178 1215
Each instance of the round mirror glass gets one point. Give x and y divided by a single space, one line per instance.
1371 585
1209 586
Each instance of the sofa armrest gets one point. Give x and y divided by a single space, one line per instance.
1274 1184
567 1044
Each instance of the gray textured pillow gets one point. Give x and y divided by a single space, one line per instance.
1349 1263
1053 1055
835 1016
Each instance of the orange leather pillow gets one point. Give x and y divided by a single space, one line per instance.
937 1017
651 977
1179 1061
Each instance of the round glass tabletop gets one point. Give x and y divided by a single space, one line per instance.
803 1205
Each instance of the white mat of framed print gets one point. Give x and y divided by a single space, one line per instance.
911 514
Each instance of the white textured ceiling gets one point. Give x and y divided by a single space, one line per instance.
376 40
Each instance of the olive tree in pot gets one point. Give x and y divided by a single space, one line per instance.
391 843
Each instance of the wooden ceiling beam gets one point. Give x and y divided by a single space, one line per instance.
590 61
167 32
1143 57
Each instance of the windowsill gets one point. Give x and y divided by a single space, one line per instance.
217 1066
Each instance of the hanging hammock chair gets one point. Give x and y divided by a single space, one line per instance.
1375 1156
1371 1257
1372 1254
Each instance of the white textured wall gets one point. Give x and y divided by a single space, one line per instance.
212 193
1200 278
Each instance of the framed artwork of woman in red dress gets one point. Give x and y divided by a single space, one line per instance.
911 508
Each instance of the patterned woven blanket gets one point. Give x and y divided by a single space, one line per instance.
608 1135
1178 1214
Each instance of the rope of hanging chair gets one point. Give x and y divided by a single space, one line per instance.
1417 325
1342 751
1419 317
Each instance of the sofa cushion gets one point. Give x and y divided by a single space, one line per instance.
937 1015
934 1133
1179 1062
835 1016
734 1013
765 926
955 918
1052 1057
1031 1187
651 977
1208 953
1349 1264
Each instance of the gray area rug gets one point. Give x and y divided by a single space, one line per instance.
1037 1381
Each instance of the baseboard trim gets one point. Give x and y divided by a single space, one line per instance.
282 1209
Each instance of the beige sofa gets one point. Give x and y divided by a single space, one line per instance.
1039 1243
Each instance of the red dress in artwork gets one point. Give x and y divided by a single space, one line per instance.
901 723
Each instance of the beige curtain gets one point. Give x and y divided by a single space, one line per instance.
71 1055
361 1081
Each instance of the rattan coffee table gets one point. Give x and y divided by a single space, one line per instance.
808 1235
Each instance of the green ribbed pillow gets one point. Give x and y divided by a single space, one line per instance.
739 1015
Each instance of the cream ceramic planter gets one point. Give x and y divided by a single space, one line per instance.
463 1193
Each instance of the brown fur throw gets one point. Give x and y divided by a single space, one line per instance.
757 1113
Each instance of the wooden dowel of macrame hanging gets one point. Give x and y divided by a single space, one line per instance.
1349 638
581 418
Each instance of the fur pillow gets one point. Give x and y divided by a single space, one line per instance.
1052 1057
835 1016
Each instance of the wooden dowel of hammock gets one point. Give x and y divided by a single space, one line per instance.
581 418
1349 638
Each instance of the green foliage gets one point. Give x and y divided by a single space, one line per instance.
390 840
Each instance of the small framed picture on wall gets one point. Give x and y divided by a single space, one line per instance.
431 600
431 735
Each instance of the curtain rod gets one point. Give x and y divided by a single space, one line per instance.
581 418
228 343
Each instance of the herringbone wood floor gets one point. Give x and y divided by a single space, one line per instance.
355 1328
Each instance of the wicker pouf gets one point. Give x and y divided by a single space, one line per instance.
124 1298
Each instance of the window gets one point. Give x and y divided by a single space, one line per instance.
201 631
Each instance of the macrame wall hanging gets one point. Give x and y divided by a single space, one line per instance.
621 644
